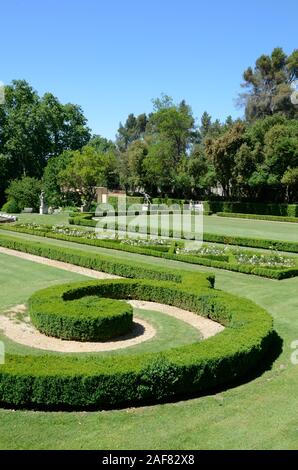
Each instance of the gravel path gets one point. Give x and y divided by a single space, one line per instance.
16 325
58 264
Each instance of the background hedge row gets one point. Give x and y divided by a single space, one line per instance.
275 218
286 210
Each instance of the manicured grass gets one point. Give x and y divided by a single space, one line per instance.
48 219
258 414
251 228
238 227
212 224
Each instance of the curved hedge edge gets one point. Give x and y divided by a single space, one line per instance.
96 382
80 322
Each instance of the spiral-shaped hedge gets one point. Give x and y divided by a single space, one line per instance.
88 318
62 381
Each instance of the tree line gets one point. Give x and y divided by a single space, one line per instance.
46 144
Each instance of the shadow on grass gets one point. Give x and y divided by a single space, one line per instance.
274 350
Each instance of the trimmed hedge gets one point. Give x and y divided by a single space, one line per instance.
100 262
226 239
219 262
275 218
291 247
52 381
287 210
81 319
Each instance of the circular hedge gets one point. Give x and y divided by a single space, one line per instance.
89 318
80 382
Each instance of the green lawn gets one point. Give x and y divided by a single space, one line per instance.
236 227
261 414
212 224
50 219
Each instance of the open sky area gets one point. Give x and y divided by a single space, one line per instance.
112 57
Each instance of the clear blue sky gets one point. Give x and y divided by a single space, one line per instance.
112 57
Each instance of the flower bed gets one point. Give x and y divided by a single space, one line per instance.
273 266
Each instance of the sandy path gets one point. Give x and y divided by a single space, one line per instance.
58 264
205 326
16 325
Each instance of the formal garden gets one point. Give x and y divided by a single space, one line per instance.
123 324
170 369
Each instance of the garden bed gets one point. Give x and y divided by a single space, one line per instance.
272 265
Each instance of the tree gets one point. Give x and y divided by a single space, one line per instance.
133 129
174 124
269 85
222 151
101 144
135 156
202 173
6 173
290 179
85 171
159 168
25 192
205 124
33 129
51 183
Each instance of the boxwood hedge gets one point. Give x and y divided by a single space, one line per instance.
273 218
90 318
63 381
286 210
219 262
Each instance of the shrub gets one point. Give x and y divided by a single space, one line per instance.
100 262
252 242
11 207
220 262
85 319
25 192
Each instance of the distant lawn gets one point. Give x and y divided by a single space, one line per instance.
235 227
212 224
50 219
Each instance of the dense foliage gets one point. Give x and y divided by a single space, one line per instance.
80 318
33 130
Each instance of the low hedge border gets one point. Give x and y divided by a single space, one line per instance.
273 218
221 262
286 210
263 243
226 239
83 319
100 262
67 382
